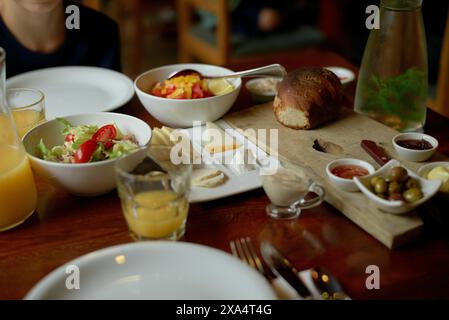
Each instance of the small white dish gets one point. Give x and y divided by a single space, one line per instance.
429 189
84 179
155 271
347 184
345 75
425 170
236 182
77 89
414 155
263 89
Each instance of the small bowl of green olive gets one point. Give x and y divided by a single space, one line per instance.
396 189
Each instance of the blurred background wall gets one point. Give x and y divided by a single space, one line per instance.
159 32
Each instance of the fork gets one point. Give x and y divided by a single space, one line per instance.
244 250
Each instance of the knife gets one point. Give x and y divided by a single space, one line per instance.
375 151
282 267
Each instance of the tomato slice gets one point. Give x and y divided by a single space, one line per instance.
85 152
70 137
197 92
170 89
105 133
108 144
157 92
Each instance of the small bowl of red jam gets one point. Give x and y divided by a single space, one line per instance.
416 147
343 171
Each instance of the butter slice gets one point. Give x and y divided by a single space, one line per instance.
442 174
208 178
225 142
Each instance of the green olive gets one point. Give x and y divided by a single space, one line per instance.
398 174
394 187
373 181
380 187
412 195
412 183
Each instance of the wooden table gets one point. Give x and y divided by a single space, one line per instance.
68 227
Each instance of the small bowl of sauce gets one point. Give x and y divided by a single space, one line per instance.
416 147
343 171
349 171
415 144
263 89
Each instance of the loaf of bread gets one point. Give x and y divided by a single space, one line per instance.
307 98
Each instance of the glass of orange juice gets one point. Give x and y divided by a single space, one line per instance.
154 195
27 107
18 195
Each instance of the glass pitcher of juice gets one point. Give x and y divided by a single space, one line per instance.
392 86
18 195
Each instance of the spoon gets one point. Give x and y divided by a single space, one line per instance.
328 285
273 70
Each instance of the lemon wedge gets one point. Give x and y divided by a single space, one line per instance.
440 173
219 87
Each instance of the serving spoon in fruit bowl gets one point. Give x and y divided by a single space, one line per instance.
272 70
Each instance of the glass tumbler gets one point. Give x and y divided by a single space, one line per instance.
154 195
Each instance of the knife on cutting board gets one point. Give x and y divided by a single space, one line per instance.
282 267
375 151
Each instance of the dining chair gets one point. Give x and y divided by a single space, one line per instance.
192 45
441 102
220 46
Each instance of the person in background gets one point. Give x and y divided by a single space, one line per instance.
257 17
34 35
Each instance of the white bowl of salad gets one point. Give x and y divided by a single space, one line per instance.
78 152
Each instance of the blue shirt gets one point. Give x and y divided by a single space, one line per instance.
96 43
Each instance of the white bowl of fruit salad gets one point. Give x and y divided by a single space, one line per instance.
78 152
181 101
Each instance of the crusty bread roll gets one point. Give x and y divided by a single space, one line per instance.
308 98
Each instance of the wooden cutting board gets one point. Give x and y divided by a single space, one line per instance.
296 146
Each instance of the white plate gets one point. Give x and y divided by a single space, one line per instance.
157 270
235 183
77 90
345 75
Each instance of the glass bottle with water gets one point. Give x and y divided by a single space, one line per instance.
393 80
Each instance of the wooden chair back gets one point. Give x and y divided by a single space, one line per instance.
441 102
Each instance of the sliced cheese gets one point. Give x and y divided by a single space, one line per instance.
168 133
217 140
159 138
208 178
163 136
